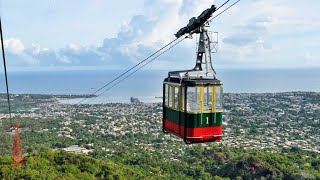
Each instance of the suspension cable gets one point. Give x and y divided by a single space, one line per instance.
138 69
128 70
222 5
223 10
5 73
94 93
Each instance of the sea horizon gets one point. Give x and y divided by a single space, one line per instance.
146 85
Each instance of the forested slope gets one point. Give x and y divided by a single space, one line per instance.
201 163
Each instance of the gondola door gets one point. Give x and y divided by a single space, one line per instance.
207 110
181 109
176 106
201 107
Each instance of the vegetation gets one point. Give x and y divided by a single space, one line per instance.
47 164
197 163
139 150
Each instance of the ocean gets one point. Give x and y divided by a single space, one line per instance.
146 85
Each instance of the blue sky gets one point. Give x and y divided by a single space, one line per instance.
75 34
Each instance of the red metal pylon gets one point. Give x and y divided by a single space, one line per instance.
17 157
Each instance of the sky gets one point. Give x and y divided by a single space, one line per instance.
98 34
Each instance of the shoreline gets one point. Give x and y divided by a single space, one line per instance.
93 99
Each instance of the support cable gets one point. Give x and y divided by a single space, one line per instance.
223 10
94 93
5 73
222 5
138 69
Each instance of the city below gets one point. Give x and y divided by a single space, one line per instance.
267 121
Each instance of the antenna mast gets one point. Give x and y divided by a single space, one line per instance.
17 156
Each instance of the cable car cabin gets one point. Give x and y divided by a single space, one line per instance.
192 110
192 99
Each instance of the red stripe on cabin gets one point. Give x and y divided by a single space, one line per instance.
195 135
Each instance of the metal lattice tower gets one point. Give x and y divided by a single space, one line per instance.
17 156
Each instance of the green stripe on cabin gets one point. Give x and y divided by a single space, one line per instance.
194 120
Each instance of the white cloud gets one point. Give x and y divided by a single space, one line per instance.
268 33
37 49
74 47
17 54
14 46
173 15
65 60
252 32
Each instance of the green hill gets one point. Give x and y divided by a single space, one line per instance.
48 164
201 164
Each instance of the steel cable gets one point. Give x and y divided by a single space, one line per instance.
138 69
5 73
94 93
127 71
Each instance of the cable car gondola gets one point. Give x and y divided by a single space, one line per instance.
192 99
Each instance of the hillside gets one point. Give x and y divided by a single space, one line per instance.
201 163
47 164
